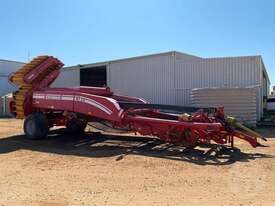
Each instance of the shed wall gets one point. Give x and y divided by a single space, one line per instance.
151 78
224 72
6 68
4 106
240 103
67 78
169 78
217 72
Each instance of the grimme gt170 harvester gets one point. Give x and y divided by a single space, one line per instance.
43 107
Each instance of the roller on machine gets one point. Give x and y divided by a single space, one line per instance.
43 107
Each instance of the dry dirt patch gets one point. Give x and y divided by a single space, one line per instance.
93 169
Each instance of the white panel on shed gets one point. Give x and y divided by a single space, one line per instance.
218 72
183 97
151 78
240 103
67 78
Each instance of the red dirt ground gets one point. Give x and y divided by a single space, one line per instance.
94 169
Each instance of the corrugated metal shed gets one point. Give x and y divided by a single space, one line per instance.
4 105
225 72
168 78
240 103
150 77
6 68
67 78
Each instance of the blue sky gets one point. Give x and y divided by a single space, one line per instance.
86 31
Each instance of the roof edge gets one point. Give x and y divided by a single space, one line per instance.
234 57
191 55
127 59
264 69
7 60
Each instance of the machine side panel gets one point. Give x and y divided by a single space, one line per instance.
54 101
97 106
92 105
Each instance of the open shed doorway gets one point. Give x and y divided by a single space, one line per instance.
93 76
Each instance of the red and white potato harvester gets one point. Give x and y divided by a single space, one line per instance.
43 107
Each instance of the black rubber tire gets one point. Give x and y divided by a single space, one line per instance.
36 126
74 126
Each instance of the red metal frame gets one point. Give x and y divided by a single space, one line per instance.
103 104
49 63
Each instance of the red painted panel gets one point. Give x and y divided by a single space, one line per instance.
48 80
55 101
97 106
50 62
71 100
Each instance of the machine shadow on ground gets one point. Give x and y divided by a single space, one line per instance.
97 145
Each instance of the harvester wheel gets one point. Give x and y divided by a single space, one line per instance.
36 126
188 141
75 126
184 138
